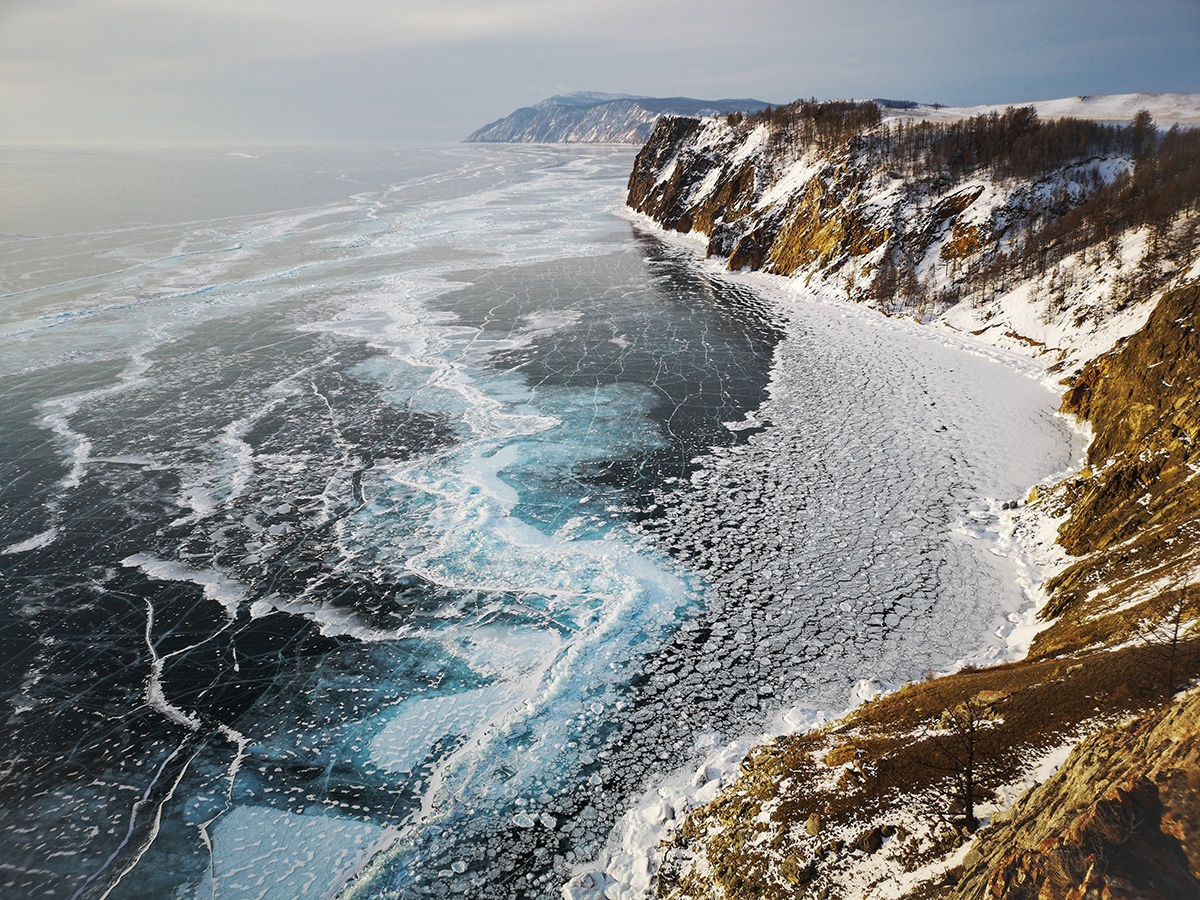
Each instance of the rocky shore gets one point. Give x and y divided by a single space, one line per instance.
1082 253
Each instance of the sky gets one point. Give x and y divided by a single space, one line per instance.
187 71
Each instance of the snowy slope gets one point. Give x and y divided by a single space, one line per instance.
834 221
1167 109
589 117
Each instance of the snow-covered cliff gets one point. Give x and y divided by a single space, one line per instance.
1037 233
595 118
1076 241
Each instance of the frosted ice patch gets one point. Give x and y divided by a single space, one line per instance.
79 448
37 542
256 851
416 725
217 586
547 321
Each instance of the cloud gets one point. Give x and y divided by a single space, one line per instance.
73 34
107 69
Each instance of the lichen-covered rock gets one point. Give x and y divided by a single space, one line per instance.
826 223
1143 401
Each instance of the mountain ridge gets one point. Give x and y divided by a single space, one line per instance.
595 117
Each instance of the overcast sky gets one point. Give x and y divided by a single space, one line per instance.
116 71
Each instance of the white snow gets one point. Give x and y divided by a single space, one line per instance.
793 179
1167 109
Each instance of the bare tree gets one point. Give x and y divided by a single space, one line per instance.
1165 635
954 748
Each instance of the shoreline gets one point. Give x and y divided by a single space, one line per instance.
630 858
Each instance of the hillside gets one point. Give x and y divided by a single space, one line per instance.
1166 109
595 118
1075 241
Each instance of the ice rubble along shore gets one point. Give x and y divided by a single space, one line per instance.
1076 242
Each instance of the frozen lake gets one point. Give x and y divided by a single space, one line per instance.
412 505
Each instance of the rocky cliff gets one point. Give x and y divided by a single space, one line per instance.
1077 243
1047 234
1120 819
594 118
1133 526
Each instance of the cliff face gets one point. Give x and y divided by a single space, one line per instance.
1030 233
1091 264
1120 819
592 118
870 803
1134 512
702 176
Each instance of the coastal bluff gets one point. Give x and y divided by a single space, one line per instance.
1072 238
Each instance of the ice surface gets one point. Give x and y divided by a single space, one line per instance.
445 519
267 854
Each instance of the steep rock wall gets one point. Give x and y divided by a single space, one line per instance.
695 176
1134 512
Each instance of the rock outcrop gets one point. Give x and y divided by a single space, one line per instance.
1120 819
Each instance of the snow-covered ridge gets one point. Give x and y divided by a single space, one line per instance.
589 117
886 216
1167 109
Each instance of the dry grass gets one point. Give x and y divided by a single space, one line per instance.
878 768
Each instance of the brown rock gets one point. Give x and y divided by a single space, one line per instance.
869 841
798 873
839 756
1122 811
988 700
850 780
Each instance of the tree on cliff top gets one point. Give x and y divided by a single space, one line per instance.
1167 634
